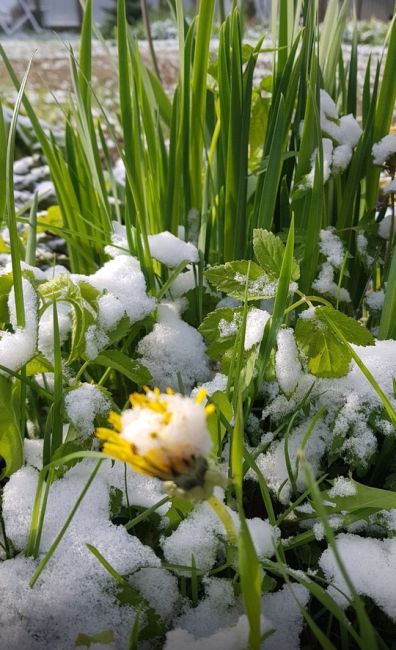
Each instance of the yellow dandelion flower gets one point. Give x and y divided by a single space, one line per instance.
163 435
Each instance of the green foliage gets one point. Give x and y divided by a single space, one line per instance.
130 368
231 278
327 354
239 163
269 251
11 443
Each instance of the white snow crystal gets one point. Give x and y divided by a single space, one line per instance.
283 610
18 347
217 609
327 105
83 404
219 382
111 311
325 284
171 250
287 365
234 637
387 226
95 341
350 131
370 564
123 278
174 347
361 245
74 593
341 158
273 466
255 324
159 588
384 149
331 247
375 299
342 487
199 535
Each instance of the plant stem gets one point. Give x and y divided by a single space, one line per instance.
225 518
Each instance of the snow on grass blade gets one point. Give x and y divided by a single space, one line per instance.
64 528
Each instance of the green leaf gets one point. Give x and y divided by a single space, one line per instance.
353 331
216 425
211 328
11 444
82 297
327 354
6 282
231 279
258 126
365 497
269 250
327 357
90 639
38 365
123 364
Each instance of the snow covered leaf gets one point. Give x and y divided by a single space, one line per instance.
269 250
350 328
219 328
11 446
358 497
231 279
126 366
82 297
327 354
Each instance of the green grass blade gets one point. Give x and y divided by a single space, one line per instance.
198 99
85 68
384 109
3 165
387 329
10 207
268 184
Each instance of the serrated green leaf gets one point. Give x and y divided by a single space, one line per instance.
128 367
353 331
11 443
231 279
327 356
269 250
38 365
210 329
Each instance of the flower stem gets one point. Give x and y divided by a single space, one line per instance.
225 518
